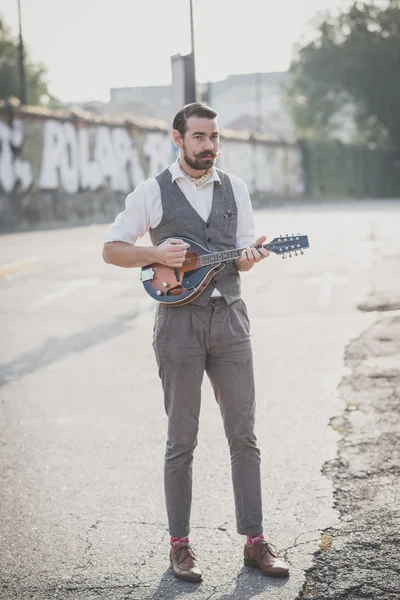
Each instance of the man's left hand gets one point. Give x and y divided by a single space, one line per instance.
252 255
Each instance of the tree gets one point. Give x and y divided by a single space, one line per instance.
36 86
350 74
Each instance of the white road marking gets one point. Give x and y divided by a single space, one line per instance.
19 267
71 286
326 283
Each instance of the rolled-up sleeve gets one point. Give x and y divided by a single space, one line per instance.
246 230
134 221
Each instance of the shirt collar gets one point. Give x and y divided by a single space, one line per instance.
177 173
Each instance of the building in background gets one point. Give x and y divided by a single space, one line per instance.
148 101
251 102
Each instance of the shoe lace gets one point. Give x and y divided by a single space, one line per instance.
184 552
269 548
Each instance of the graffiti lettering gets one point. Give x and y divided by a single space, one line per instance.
66 158
13 170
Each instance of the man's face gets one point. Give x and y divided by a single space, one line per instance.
200 143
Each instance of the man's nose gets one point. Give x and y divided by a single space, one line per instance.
209 144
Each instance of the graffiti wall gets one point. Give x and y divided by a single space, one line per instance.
78 168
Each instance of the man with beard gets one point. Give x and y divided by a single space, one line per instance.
193 199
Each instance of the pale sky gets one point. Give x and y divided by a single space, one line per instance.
90 46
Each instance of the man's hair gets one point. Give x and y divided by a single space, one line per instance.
195 109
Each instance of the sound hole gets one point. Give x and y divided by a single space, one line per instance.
175 291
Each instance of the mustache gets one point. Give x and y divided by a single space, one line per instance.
208 155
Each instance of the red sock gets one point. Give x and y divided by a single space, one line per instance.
178 541
253 539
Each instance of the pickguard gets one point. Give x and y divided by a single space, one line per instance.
192 279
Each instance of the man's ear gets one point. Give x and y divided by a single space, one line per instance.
177 138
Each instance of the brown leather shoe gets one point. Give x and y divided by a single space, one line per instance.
264 556
184 565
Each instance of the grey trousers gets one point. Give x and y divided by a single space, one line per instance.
189 340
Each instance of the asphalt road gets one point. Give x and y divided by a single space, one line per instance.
83 427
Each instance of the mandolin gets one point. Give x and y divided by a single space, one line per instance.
182 285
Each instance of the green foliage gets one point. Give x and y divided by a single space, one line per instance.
10 85
349 75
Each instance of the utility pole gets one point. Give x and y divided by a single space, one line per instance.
184 89
193 52
22 77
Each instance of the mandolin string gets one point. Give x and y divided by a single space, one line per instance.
213 255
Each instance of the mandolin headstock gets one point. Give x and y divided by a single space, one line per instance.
288 245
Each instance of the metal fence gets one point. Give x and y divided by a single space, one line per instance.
337 169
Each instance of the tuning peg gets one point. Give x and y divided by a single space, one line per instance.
290 254
296 253
301 252
284 256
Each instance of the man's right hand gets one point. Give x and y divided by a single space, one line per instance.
172 252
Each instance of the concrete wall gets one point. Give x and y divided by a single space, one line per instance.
71 168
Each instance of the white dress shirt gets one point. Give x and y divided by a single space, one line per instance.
143 207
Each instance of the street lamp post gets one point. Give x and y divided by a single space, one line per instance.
184 89
22 77
193 53
191 26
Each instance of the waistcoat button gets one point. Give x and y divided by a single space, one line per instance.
207 224
208 239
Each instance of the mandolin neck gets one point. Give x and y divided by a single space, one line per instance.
218 257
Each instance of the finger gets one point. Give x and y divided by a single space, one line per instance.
176 249
264 252
175 259
255 253
260 241
178 242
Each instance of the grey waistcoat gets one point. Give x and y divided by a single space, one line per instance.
218 233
